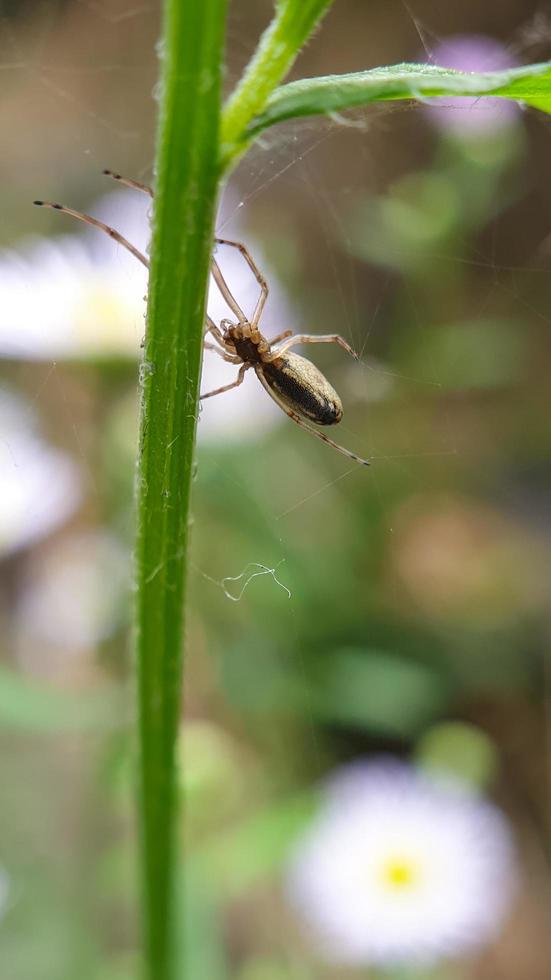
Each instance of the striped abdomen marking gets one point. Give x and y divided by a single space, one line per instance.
303 388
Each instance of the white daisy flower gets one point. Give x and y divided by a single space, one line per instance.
398 869
79 295
73 598
40 485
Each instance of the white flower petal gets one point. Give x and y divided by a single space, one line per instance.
74 595
40 485
81 295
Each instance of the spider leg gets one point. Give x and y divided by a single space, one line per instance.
218 335
310 338
226 293
128 182
232 359
257 274
305 425
96 223
234 384
280 336
222 285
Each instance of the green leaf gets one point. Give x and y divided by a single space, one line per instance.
237 860
380 692
457 749
186 193
33 707
203 952
334 93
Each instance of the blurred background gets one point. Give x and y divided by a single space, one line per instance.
396 619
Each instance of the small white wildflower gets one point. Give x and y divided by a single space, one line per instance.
72 599
77 295
40 485
397 869
80 295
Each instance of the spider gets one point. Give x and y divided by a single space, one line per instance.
295 384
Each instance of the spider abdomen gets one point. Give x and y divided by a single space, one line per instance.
303 388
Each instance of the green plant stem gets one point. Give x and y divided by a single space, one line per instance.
186 190
282 40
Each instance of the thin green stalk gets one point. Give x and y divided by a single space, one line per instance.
186 189
278 47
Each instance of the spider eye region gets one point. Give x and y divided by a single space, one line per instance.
303 388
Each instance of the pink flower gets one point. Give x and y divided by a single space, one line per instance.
472 117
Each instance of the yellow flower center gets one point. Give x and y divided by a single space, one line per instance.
400 873
104 320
